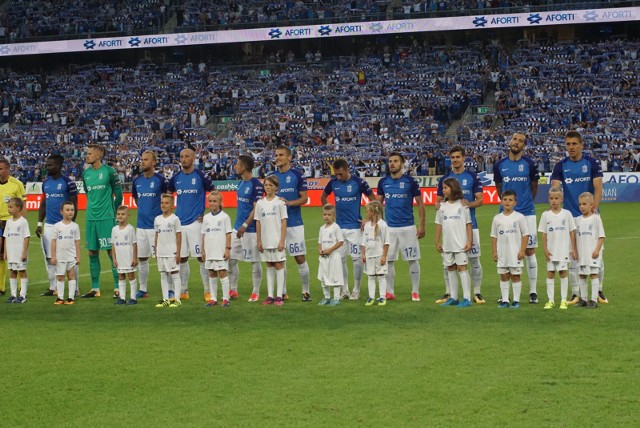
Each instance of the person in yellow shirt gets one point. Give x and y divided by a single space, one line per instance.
10 187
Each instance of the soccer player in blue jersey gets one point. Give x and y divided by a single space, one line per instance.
56 189
191 187
147 191
293 191
519 173
348 190
244 243
399 190
578 173
472 199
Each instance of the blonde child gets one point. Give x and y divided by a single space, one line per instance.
65 252
216 248
375 247
330 239
16 247
125 256
509 239
271 232
589 240
454 227
559 243
168 241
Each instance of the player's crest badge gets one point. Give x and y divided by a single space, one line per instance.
584 168
459 211
193 181
100 176
152 185
331 235
520 168
349 187
563 221
246 191
590 227
220 224
402 185
59 186
464 182
288 180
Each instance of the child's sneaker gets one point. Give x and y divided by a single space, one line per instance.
355 295
184 295
564 304
253 298
415 297
465 303
602 298
334 302
20 300
211 302
268 301
591 305
370 302
116 294
382 301
324 301
478 299
172 294
515 305
121 302
49 292
175 304
574 299
306 297
70 301
142 294
11 299
451 302
533 298
226 303
279 301
163 304
443 299
549 305
390 296
132 302
233 295
504 305
59 301
581 304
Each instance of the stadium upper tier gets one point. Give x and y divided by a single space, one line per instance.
22 20
360 108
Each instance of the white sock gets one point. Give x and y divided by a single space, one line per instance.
504 291
133 288
371 285
466 284
185 272
382 284
271 277
60 289
256 276
13 284
532 272
345 276
73 285
551 285
595 287
204 276
280 282
233 274
24 283
122 287
164 284
517 289
224 283
51 275
326 291
564 287
447 289
177 285
601 275
414 274
476 274
584 289
574 278
391 278
143 274
337 292
453 283
213 288
303 271
358 268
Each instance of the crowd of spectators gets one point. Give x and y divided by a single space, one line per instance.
22 19
360 108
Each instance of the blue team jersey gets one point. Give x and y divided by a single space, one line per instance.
518 176
470 186
292 183
147 192
577 177
192 192
57 191
249 192
348 196
398 196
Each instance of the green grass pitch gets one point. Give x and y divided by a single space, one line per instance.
407 364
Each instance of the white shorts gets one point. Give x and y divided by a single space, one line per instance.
17 266
295 241
352 243
126 269
475 246
533 231
588 270
47 234
246 248
63 267
191 240
146 241
557 266
330 270
405 241
273 255
373 267
458 258
167 264
216 265
511 270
